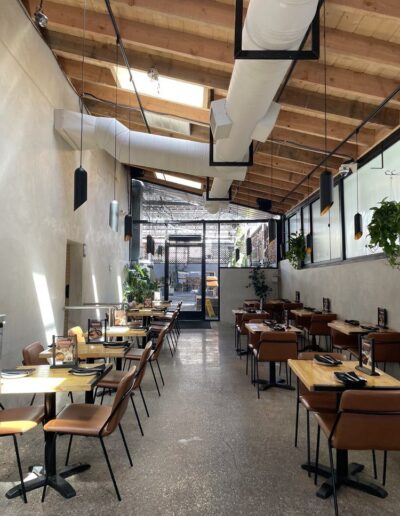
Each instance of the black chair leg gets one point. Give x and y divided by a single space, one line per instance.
71 396
21 477
110 469
247 361
257 378
317 456
169 344
32 400
384 467
296 430
374 464
308 443
69 450
155 379
125 444
144 401
333 480
137 416
102 397
159 370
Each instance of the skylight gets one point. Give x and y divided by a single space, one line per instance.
162 87
178 180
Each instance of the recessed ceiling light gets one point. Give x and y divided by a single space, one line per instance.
178 180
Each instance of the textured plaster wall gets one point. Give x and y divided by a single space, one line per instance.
234 289
356 289
36 192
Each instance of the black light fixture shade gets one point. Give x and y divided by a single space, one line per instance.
249 246
358 226
149 245
237 254
128 228
272 230
325 191
309 243
80 187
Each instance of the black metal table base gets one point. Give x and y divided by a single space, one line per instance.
350 480
281 384
57 482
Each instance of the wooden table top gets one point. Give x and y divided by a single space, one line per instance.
86 351
321 378
45 380
261 327
302 312
240 311
350 329
125 331
145 312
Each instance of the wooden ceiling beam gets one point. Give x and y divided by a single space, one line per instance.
70 46
381 8
339 81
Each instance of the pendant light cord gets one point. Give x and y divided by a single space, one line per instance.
357 165
325 89
82 77
116 114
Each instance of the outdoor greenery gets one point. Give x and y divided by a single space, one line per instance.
259 283
138 285
297 250
384 230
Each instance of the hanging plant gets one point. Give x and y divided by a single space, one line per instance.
297 250
384 230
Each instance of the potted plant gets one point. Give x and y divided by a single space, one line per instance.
138 285
384 230
259 283
297 250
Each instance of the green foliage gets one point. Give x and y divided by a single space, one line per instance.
259 283
138 285
384 230
297 250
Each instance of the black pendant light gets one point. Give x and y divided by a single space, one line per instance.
150 246
309 238
80 174
326 178
358 222
128 228
249 246
128 217
237 254
114 205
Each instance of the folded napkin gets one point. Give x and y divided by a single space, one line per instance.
353 322
327 360
86 370
350 379
16 373
279 327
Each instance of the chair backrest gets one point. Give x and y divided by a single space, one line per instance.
277 346
159 343
319 324
387 346
142 365
78 332
341 339
251 317
31 355
120 401
378 412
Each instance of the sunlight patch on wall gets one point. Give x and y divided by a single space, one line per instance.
45 306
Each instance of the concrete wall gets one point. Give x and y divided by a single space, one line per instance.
36 185
234 289
355 289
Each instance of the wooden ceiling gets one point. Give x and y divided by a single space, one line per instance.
192 40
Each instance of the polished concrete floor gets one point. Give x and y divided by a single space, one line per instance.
210 448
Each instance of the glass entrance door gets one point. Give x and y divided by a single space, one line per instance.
184 278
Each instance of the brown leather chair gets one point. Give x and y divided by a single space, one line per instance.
172 332
274 347
377 411
323 402
319 327
387 347
276 310
293 306
98 421
112 380
246 318
341 342
31 357
17 421
136 355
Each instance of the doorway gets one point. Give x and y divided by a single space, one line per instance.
185 277
73 283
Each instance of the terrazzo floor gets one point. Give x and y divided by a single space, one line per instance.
210 448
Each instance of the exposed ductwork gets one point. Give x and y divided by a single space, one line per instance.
247 114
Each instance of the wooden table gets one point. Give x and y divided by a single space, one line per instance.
261 327
50 382
316 377
125 332
302 312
